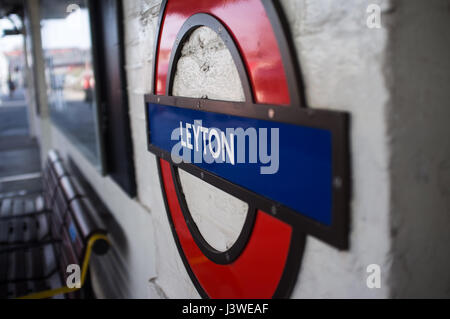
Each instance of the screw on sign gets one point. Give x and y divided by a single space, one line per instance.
71 8
307 193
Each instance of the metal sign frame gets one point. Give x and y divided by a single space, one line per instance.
295 112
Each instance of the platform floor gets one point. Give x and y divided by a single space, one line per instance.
20 167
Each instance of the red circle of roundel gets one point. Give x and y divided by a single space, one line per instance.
252 31
257 271
269 260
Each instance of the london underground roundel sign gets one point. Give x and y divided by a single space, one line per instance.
288 162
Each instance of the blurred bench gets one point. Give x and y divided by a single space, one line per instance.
41 236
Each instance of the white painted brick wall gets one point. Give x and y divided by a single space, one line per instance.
343 65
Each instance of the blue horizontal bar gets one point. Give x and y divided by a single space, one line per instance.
303 181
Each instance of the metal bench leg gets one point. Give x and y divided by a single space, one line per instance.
64 290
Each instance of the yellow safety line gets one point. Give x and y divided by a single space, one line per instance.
64 290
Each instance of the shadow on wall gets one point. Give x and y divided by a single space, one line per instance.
420 129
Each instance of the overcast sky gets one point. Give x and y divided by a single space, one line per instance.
72 32
11 42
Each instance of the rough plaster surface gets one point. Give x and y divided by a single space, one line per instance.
419 125
219 216
206 69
